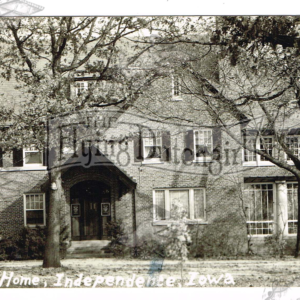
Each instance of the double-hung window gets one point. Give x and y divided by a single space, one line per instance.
152 146
258 206
265 143
80 87
181 203
203 145
176 87
32 157
293 143
292 196
34 209
250 143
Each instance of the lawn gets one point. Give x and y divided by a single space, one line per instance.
99 272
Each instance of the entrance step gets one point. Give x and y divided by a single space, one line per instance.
89 249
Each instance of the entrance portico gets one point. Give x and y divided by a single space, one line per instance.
91 195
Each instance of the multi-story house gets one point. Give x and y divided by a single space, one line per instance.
146 164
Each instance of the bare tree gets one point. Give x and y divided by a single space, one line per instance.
243 72
43 55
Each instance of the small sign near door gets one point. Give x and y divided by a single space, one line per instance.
75 210
105 209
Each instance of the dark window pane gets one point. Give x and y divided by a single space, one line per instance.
199 204
179 204
34 217
33 158
160 205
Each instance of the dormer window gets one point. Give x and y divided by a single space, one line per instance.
176 87
80 87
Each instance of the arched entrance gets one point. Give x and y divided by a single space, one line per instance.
90 210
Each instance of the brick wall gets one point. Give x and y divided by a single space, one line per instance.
221 179
13 185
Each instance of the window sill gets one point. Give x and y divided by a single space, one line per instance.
152 162
169 222
265 164
202 161
259 236
35 226
13 169
33 166
258 164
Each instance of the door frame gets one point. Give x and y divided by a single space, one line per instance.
78 196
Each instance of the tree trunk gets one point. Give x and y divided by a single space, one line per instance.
52 248
298 223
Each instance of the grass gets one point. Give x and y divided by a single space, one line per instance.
244 273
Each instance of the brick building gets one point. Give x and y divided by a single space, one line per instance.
140 165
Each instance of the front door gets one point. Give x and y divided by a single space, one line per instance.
86 220
92 219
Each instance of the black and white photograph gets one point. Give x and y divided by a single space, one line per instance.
158 152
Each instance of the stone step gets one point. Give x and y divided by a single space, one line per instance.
90 243
88 249
89 255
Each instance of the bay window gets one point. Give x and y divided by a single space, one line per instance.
292 197
258 205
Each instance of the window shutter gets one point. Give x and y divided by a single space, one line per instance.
166 146
189 146
18 157
138 147
216 143
45 157
72 88
1 158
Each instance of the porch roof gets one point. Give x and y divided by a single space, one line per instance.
92 159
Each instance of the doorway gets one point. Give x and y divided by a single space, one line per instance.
90 210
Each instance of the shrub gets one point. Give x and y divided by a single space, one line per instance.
178 235
31 243
218 240
276 245
149 250
118 239
8 249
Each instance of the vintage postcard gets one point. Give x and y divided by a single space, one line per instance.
149 152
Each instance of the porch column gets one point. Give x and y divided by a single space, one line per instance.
281 208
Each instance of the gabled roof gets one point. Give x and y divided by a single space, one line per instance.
100 160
